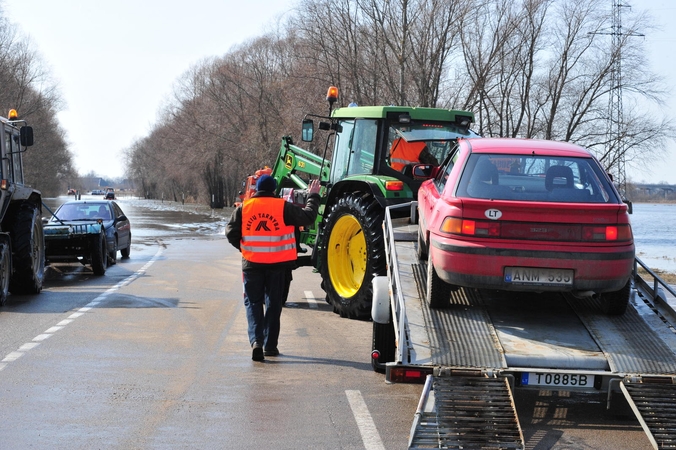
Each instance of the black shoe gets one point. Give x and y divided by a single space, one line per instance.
257 353
271 352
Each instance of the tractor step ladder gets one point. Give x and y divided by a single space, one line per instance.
654 403
470 412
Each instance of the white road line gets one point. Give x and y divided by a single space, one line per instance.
13 356
312 301
369 434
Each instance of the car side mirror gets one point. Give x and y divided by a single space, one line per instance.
422 171
26 136
121 218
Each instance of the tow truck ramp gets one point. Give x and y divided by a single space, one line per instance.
487 344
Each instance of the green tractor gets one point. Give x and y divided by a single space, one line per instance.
365 172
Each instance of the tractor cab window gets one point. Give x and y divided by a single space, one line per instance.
354 151
16 159
422 142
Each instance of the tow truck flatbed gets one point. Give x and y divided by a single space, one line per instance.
524 340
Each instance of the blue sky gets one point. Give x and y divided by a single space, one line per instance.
116 62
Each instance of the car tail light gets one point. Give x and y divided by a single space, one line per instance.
607 233
454 225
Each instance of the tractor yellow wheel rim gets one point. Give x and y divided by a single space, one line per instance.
346 256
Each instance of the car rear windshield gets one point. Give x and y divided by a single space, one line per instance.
535 178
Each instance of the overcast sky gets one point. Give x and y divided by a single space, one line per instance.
115 62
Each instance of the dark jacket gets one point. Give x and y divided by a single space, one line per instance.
293 215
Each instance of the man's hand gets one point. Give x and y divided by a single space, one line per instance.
313 187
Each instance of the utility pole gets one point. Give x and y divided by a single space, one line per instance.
615 148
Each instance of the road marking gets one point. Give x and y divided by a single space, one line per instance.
13 356
369 433
312 301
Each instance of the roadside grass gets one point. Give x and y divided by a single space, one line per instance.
667 277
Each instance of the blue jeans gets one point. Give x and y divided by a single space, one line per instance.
263 298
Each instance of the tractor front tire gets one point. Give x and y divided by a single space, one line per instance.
28 248
353 254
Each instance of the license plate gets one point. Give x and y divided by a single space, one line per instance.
539 276
571 380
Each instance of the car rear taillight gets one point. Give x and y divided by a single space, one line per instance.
606 233
454 225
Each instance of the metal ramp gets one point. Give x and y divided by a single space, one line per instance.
469 413
654 404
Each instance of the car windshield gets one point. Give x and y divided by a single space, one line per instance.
82 211
535 178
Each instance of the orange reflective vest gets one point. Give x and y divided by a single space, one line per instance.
404 153
265 237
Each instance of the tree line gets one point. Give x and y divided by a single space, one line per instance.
528 68
27 87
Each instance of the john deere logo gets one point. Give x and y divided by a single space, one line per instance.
288 162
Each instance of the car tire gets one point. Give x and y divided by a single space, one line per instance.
615 303
125 251
112 256
438 291
99 254
421 249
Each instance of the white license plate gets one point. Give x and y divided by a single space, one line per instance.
538 276
570 380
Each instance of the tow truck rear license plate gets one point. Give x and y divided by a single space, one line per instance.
539 276
571 380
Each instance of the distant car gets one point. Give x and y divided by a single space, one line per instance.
88 231
525 215
72 192
97 192
110 196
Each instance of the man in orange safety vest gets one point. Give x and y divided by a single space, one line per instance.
262 229
404 153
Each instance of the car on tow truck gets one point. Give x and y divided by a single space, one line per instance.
525 215
88 231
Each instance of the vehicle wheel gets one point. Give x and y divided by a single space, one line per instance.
125 251
5 272
615 303
112 256
438 291
421 250
385 342
354 253
28 244
100 254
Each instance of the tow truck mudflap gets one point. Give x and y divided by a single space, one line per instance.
466 411
653 400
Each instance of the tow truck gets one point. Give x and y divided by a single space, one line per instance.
474 356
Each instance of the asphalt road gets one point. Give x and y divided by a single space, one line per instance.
155 355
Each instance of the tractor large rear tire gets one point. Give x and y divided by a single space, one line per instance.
28 251
5 271
354 253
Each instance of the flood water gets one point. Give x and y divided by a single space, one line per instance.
654 227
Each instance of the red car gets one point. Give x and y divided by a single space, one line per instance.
525 215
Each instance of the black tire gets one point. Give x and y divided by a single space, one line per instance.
5 272
353 253
383 341
125 251
99 254
28 251
615 303
112 256
421 250
438 291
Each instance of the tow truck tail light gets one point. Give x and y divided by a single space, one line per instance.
408 374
